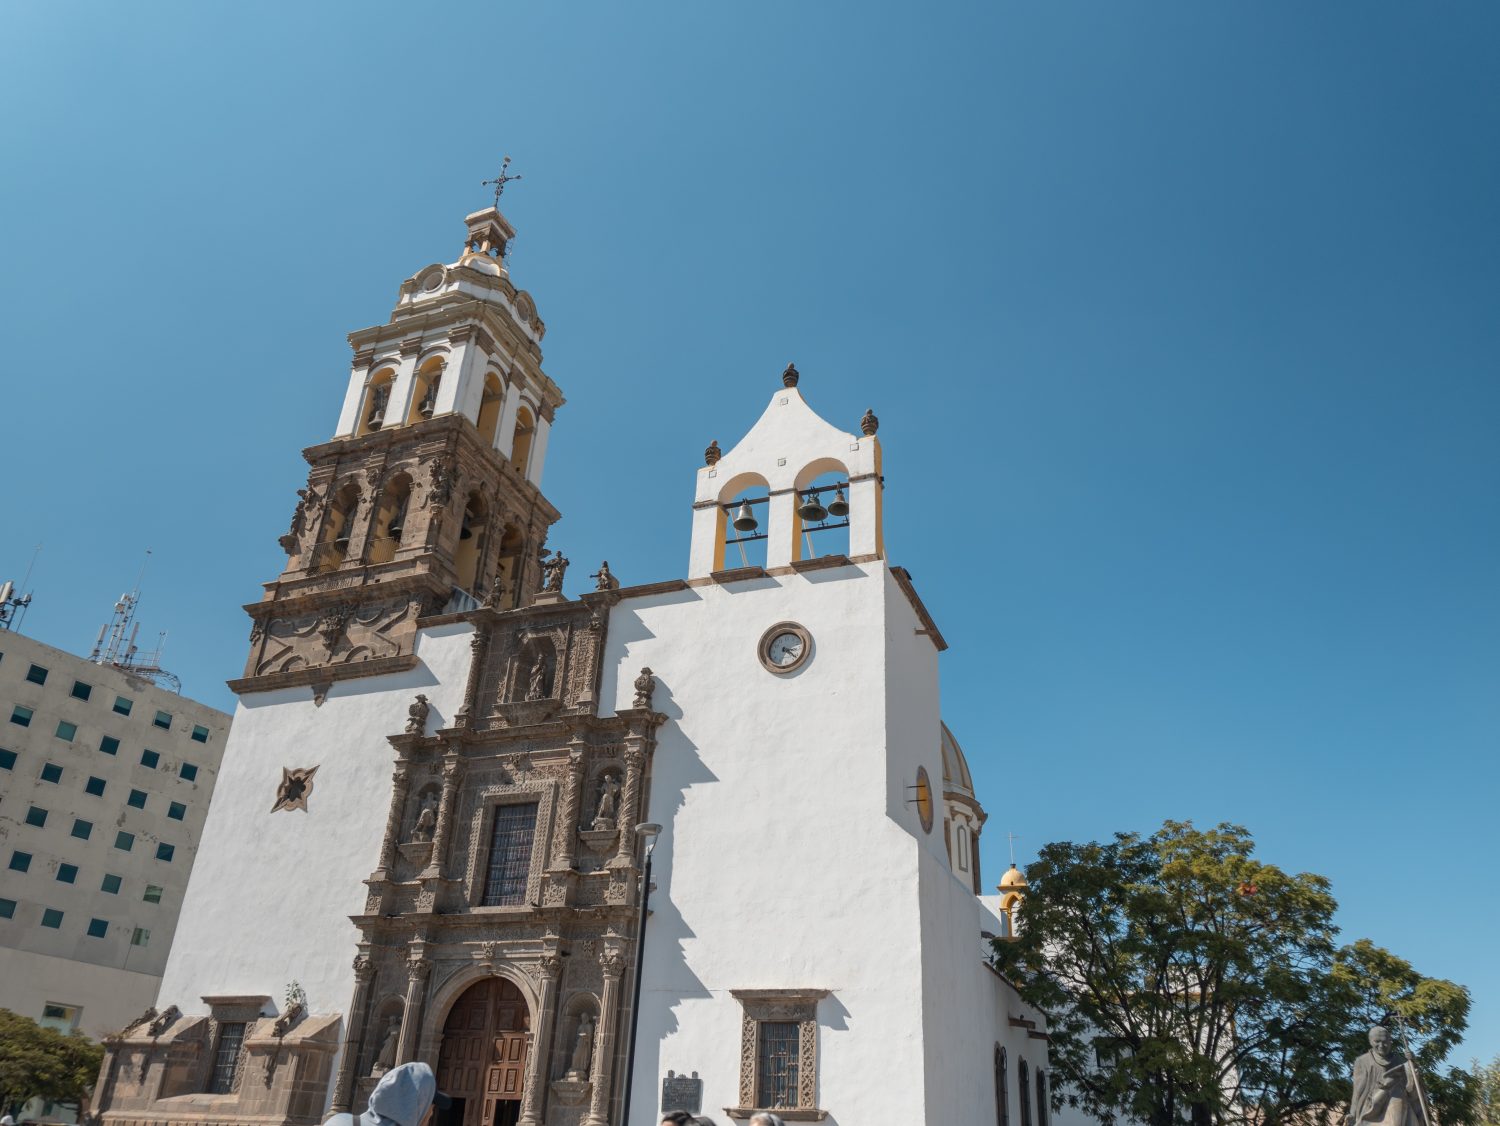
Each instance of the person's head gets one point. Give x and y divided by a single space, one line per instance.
766 1118
677 1118
405 1096
700 1121
1380 1040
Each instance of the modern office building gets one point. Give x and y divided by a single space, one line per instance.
105 778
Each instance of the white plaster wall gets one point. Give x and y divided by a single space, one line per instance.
256 918
778 865
110 998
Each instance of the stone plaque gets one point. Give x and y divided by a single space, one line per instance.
681 1092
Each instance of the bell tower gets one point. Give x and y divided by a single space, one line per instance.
428 496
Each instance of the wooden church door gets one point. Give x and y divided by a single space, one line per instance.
483 1056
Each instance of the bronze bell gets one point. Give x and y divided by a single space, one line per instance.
838 507
811 509
744 519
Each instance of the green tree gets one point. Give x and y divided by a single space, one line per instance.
1184 981
36 1062
1486 1109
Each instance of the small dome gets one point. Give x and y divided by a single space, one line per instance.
1013 880
955 766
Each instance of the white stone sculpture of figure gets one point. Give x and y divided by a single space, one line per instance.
535 685
609 801
426 822
385 1059
583 1050
1382 1093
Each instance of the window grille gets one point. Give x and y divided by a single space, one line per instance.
226 1055
1002 1087
510 855
1025 1092
776 1067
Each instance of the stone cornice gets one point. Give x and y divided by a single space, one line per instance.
322 674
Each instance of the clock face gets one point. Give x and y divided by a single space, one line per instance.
784 647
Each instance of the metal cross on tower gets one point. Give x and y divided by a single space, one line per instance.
500 181
1013 840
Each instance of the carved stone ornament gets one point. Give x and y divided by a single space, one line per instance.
333 623
416 716
145 1018
496 596
257 630
554 569
790 376
869 424
440 487
712 455
163 1021
287 1019
609 803
295 788
799 1005
364 969
603 579
421 832
645 688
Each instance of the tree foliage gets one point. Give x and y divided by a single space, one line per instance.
1184 981
36 1062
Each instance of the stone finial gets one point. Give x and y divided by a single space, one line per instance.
869 424
790 376
712 455
645 688
416 716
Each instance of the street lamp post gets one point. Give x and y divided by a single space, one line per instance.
647 832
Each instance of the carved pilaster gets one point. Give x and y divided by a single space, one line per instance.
541 1049
612 965
635 762
565 851
400 782
417 970
364 976
453 772
479 645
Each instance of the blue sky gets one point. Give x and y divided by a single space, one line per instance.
1180 320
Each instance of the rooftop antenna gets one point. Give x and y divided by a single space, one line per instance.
11 603
116 644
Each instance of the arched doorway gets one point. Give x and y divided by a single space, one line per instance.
482 1062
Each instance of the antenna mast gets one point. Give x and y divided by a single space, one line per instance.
116 644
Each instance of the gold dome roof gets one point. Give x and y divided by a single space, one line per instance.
1013 880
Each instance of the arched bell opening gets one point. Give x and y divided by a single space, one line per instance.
490 404
508 566
470 541
390 519
820 510
520 446
744 522
338 527
428 382
372 414
482 1058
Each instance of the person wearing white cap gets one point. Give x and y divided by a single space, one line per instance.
405 1096
7 1121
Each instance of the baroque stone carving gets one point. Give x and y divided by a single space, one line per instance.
869 424
712 455
645 688
583 1049
295 788
163 1021
496 596
609 803
604 579
416 716
426 823
553 569
385 1057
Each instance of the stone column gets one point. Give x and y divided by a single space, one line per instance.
629 817
401 387
612 963
537 1069
417 969
343 1089
400 783
453 770
565 854
479 646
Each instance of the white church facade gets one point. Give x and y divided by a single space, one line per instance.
425 839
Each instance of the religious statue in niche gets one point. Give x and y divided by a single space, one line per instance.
295 788
416 716
536 676
583 1049
385 1058
609 803
645 688
426 825
553 569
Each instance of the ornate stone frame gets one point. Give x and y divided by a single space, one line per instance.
486 802
763 646
800 1005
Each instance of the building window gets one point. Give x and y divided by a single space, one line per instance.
1025 1091
67 873
226 1056
20 861
1002 1087
7 908
153 894
98 928
65 730
163 720
123 705
52 917
149 759
36 674
1041 1098
124 841
176 811
963 848
187 772
60 1018
164 852
140 937
778 1050
82 691
36 816
510 855
200 733
7 759
94 786
137 799
20 716
82 829
51 772
109 744
111 884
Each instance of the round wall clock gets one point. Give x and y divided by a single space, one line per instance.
784 647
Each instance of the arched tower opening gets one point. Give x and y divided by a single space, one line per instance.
337 530
520 447
467 558
390 519
490 405
372 415
821 510
425 387
508 565
482 1058
744 522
